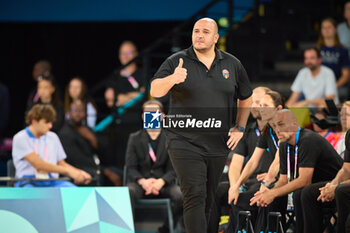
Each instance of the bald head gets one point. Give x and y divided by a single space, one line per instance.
210 21
285 125
205 36
286 115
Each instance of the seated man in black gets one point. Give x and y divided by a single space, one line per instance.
316 161
335 193
78 141
150 171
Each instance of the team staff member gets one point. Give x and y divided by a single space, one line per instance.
328 195
316 161
203 82
241 154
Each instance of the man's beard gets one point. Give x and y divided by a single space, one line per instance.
312 67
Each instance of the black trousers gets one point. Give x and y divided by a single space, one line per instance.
313 209
168 191
199 177
278 205
342 198
221 200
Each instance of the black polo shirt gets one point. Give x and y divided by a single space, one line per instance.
347 147
121 85
246 147
314 151
268 141
206 94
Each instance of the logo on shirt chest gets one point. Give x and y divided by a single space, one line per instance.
225 73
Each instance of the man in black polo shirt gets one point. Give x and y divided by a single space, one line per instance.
204 83
316 161
328 195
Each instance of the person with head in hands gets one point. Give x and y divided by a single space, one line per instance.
38 153
305 158
205 84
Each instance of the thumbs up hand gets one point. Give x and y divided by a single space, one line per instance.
180 74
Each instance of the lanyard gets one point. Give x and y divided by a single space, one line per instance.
36 148
295 157
151 153
273 139
131 80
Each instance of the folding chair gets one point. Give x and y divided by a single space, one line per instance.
153 202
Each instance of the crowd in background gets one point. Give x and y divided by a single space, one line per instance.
101 146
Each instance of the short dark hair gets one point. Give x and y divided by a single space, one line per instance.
318 52
153 101
41 111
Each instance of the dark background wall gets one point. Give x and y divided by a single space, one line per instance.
85 49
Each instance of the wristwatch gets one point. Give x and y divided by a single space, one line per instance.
240 128
269 186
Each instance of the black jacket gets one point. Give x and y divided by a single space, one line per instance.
139 162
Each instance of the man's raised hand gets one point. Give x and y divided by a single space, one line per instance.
180 74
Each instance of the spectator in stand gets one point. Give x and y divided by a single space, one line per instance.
345 124
315 81
41 68
320 126
77 90
48 94
78 141
334 55
124 95
38 153
344 28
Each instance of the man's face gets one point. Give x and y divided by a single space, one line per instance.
127 52
258 94
77 112
283 127
311 60
347 11
204 35
42 126
345 117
